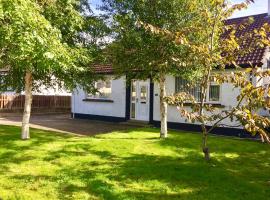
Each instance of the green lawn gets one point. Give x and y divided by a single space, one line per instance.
134 164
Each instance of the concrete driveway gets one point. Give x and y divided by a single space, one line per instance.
63 123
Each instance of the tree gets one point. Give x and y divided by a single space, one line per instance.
215 51
251 98
41 44
138 53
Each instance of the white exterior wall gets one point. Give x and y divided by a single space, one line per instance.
52 91
266 80
228 99
115 109
264 67
44 91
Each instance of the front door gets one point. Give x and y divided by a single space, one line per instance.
140 100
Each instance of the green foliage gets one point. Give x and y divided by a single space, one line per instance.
252 96
43 37
141 54
65 16
132 164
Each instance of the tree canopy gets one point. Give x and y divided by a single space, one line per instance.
151 54
45 42
44 37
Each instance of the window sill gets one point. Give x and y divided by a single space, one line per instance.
99 100
217 105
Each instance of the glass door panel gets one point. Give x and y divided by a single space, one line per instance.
133 99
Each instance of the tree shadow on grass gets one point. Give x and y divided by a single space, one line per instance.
157 177
203 180
110 175
13 146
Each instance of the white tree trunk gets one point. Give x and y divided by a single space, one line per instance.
163 108
27 106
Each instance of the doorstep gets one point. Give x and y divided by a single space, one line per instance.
137 123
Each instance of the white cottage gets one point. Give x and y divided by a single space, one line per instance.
139 100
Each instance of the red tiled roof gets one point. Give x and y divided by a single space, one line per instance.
3 70
255 57
103 69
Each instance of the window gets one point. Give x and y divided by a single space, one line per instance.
133 99
214 93
143 94
104 89
182 85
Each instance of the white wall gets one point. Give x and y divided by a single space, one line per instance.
46 92
115 109
264 67
56 90
118 107
266 80
228 99
52 91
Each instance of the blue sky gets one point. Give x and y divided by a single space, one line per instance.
260 6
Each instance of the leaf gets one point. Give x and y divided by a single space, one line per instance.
48 55
248 70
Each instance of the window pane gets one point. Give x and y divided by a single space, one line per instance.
104 90
143 93
182 85
99 85
108 84
133 91
214 93
133 107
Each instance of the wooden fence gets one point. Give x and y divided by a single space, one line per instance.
50 103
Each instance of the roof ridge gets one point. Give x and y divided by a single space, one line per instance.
243 17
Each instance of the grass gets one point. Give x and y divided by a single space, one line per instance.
134 164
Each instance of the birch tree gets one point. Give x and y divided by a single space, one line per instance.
40 45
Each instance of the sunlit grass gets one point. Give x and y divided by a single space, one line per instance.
132 164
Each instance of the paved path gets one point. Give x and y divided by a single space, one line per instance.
63 123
